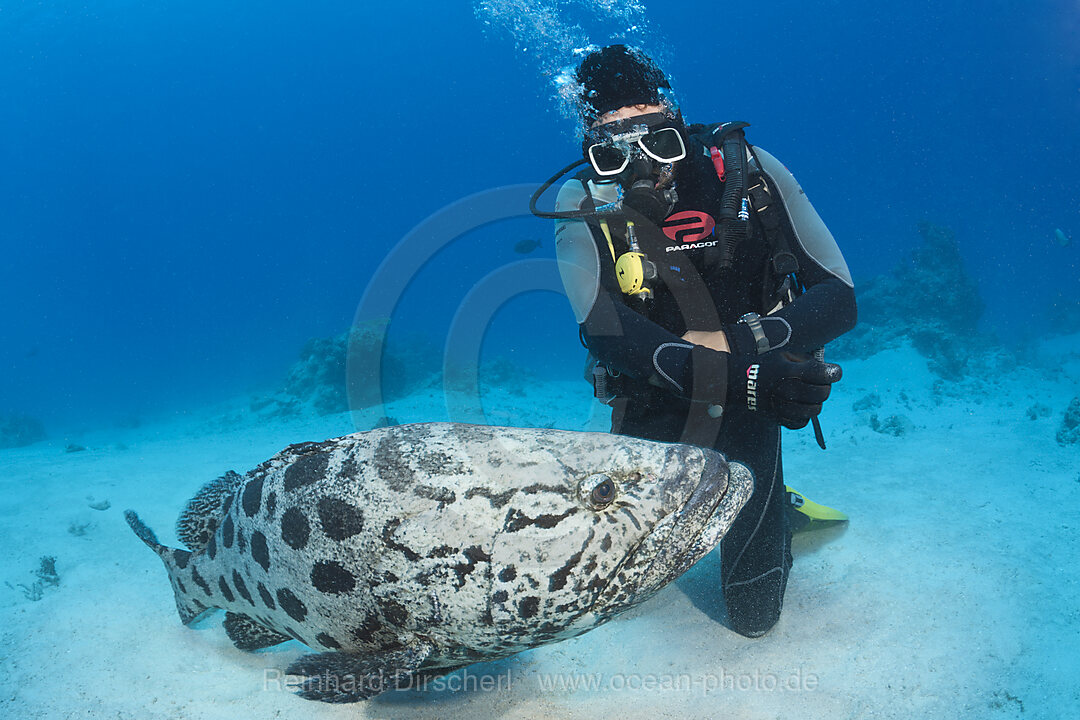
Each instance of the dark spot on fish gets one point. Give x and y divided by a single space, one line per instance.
207 535
292 605
394 612
550 628
473 554
605 544
306 470
442 551
424 577
227 532
259 551
181 558
198 579
539 487
516 520
327 641
390 463
528 606
271 504
295 529
211 547
252 496
329 576
388 540
367 629
497 500
390 577
499 596
444 496
350 469
508 573
630 514
301 448
241 587
559 577
340 520
225 590
436 462
296 633
180 585
241 542
267 598
227 504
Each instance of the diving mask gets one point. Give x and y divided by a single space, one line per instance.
611 147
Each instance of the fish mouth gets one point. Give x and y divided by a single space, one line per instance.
686 535
687 526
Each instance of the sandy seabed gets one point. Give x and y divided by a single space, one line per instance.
951 594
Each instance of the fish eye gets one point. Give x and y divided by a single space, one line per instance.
601 491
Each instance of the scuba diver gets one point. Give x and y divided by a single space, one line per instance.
705 286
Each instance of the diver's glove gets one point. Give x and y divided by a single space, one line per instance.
781 385
693 372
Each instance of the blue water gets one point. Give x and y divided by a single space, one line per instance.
188 191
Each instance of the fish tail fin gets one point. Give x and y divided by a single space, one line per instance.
177 563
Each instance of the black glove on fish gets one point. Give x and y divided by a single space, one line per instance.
781 385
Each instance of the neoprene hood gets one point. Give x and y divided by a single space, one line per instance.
617 76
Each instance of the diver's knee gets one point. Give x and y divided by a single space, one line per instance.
753 624
754 607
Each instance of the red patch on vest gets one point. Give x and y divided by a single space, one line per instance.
689 226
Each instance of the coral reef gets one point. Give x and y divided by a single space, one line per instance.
409 363
318 377
335 374
46 577
331 373
872 401
1069 433
19 430
46 571
895 425
79 529
929 299
1037 411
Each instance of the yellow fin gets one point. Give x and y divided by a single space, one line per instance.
806 514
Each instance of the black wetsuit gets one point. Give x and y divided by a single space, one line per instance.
660 374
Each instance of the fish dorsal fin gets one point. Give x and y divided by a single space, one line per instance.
203 512
247 634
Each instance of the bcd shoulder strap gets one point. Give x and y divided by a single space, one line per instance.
774 220
744 188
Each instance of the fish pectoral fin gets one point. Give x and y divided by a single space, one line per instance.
248 634
339 677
